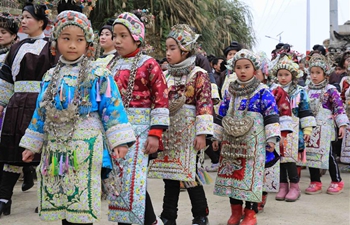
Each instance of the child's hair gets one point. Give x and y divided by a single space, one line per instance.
69 18
318 49
9 23
185 37
134 25
344 57
38 11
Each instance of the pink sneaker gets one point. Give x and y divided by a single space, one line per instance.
314 188
335 188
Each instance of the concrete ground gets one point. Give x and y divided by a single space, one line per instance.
321 209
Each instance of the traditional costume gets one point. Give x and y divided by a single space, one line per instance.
144 92
190 115
79 114
250 120
328 108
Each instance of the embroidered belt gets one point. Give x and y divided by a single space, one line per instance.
140 116
27 86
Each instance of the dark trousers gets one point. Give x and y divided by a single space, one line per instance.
1 168
248 205
289 170
171 199
7 184
65 222
150 216
334 172
213 155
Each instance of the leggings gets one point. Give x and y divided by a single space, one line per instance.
289 170
248 205
333 170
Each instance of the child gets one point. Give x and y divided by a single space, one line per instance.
287 72
20 77
190 122
79 112
326 104
251 126
144 92
272 174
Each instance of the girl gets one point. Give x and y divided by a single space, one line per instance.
20 78
271 180
79 113
243 144
287 72
144 92
107 44
326 104
190 122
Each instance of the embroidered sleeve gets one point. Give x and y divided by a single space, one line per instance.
270 113
215 94
285 111
159 96
307 119
33 137
337 108
204 106
114 117
6 92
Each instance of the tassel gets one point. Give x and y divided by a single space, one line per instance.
208 179
108 90
52 167
55 162
61 93
75 160
98 96
200 176
61 166
67 164
69 97
45 166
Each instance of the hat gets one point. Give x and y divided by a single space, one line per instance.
246 54
320 49
322 62
184 36
38 11
133 24
69 18
8 23
286 62
233 46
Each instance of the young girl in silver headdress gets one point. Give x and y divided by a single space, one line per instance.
79 114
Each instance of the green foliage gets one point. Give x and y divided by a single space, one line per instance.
219 21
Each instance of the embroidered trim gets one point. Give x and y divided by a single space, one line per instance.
12 169
121 134
308 121
27 86
204 124
286 123
6 92
218 132
273 130
341 120
32 140
160 117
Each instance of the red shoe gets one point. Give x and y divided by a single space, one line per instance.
249 217
335 188
314 188
236 214
262 204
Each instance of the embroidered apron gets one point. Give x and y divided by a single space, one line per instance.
317 149
178 160
345 148
292 143
69 176
130 205
272 175
242 178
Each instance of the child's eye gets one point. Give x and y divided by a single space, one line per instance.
65 38
80 39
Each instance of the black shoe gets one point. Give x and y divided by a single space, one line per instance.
36 210
28 178
168 222
203 220
5 208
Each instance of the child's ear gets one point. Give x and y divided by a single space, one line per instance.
138 43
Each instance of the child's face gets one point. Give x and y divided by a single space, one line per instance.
71 43
317 75
106 41
259 74
173 52
231 54
339 70
30 25
123 41
6 37
218 66
284 76
244 69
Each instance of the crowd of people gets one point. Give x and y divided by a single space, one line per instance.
92 125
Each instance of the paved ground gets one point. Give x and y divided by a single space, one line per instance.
321 209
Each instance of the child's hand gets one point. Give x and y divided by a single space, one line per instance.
272 146
151 145
341 132
27 156
199 142
215 145
306 137
120 152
